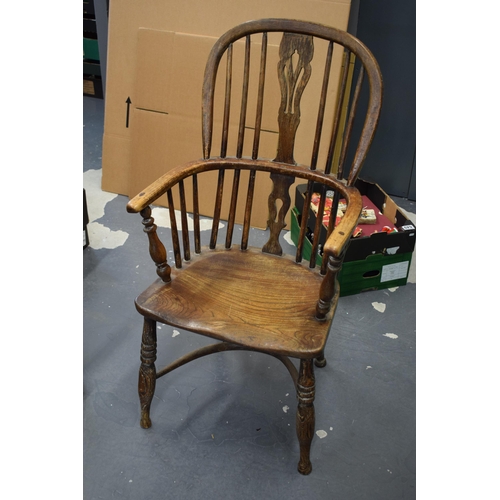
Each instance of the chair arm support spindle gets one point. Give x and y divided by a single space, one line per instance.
329 287
334 251
156 248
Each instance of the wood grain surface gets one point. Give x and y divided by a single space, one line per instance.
244 297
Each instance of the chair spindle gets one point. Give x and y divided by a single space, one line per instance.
260 97
303 222
248 211
174 231
321 111
217 209
232 208
196 216
338 111
227 102
331 227
350 121
184 222
317 227
329 287
244 99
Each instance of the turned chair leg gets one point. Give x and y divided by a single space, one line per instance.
305 413
320 361
147 371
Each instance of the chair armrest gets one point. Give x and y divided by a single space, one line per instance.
338 240
159 187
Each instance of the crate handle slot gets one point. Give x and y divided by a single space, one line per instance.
371 274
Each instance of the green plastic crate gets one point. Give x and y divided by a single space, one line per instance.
376 272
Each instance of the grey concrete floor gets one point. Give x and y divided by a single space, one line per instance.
224 425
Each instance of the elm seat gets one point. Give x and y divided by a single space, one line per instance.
244 297
251 299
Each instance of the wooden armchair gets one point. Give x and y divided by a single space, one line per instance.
257 298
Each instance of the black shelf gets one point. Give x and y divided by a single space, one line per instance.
95 22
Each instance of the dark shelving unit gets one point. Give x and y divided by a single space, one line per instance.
95 36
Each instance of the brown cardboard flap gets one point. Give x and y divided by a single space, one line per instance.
116 164
170 73
154 70
390 209
272 94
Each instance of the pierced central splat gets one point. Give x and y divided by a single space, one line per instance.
294 70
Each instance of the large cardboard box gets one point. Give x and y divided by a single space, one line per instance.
157 52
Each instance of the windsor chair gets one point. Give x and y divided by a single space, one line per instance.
249 298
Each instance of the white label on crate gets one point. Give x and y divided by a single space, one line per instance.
409 227
396 271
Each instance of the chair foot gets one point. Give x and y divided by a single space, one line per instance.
145 419
305 414
320 361
305 469
147 371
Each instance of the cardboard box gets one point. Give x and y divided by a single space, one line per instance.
156 60
381 260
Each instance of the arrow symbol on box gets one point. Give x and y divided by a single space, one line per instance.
128 101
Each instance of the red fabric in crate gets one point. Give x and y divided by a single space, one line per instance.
367 229
382 220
